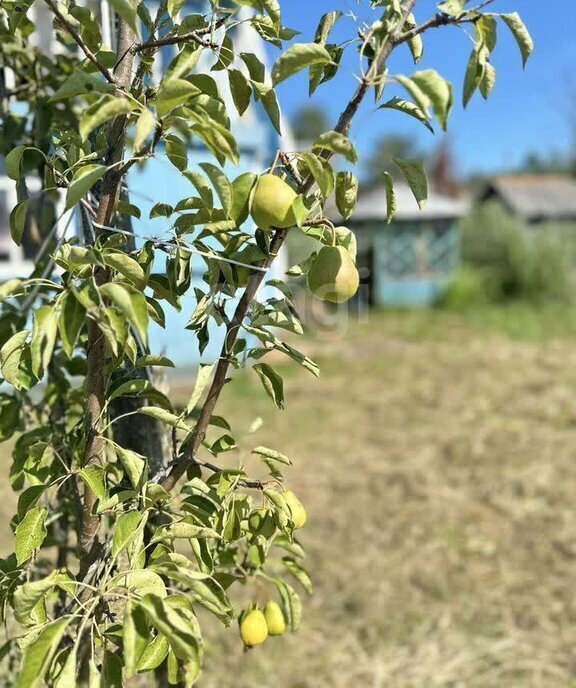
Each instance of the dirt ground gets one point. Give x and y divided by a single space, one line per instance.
437 460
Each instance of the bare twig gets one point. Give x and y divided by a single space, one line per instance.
79 40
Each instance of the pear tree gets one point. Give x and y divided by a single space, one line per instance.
130 525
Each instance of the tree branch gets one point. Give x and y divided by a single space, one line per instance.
191 37
441 19
79 40
187 458
96 376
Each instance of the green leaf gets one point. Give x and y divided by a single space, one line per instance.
298 56
327 23
164 417
67 677
95 478
390 197
174 6
413 171
135 637
140 582
172 93
241 189
202 186
520 33
28 595
255 67
221 183
291 603
337 143
322 173
30 534
272 454
10 356
176 151
13 162
39 653
72 319
145 125
131 304
126 266
180 633
43 337
183 531
18 221
346 193
82 182
127 527
240 89
488 81
205 589
128 11
474 73
272 383
270 102
300 573
154 654
453 7
438 90
81 83
408 108
100 112
202 379
134 465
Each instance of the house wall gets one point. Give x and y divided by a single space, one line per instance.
411 262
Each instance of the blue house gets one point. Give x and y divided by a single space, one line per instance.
409 262
159 182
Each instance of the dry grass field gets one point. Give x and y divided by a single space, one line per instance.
437 459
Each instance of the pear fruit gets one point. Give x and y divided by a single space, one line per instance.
333 275
272 203
274 619
299 516
254 629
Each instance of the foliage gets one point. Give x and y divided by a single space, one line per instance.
309 122
143 538
510 261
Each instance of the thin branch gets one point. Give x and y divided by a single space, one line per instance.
169 479
191 37
440 19
79 40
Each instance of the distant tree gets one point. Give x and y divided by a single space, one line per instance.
309 122
386 149
443 173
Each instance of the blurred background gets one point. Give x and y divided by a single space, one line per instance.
437 453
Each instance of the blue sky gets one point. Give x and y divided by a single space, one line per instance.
528 110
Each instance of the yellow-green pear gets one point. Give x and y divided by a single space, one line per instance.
274 618
254 629
333 275
272 203
299 516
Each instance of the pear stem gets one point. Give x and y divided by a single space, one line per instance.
326 222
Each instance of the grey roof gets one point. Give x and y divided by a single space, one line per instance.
536 196
372 205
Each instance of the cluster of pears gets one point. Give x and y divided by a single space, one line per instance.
333 275
256 626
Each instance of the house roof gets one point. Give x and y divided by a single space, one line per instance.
372 205
535 196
